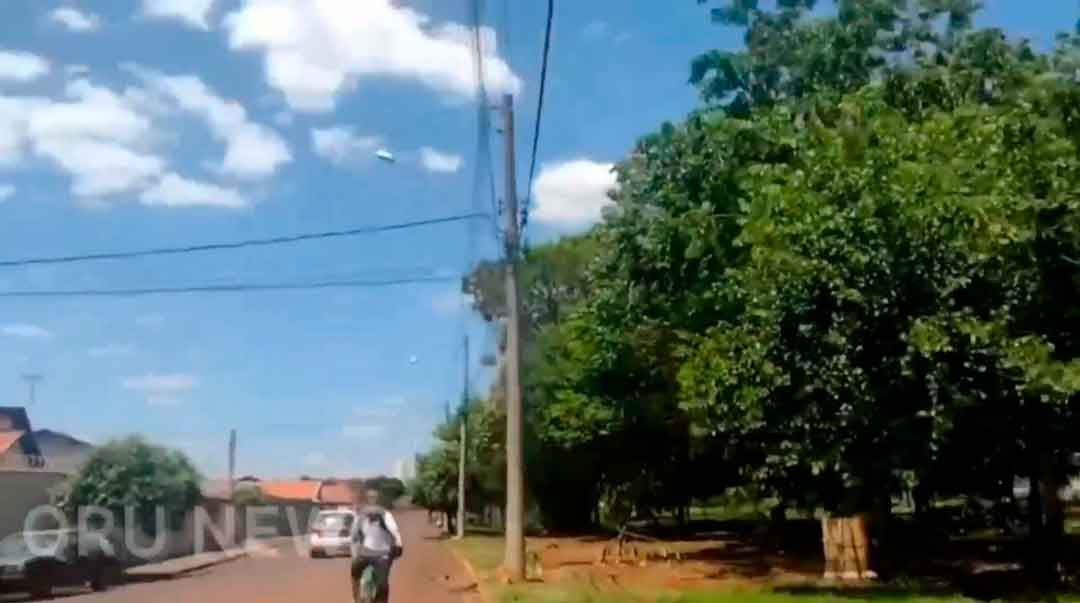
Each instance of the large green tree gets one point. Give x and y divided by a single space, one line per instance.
132 474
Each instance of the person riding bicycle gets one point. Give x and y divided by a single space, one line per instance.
375 539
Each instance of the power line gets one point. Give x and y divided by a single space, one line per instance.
279 240
483 122
230 288
539 113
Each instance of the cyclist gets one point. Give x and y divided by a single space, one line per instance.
375 539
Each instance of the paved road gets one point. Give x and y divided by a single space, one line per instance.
427 573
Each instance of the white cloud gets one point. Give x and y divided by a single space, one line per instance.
436 161
251 150
161 389
363 432
74 19
193 13
341 145
315 50
571 195
111 350
28 331
96 135
101 168
176 191
6 191
20 66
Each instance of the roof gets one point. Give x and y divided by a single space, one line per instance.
8 440
14 418
290 490
335 493
57 445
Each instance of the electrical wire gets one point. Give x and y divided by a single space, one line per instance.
539 114
484 167
229 288
279 240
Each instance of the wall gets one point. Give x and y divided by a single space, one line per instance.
20 492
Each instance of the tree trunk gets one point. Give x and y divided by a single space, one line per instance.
1046 521
847 548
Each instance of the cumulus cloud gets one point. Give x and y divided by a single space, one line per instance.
251 150
99 137
314 50
161 389
74 19
341 145
6 192
17 66
571 195
176 191
436 161
25 330
193 13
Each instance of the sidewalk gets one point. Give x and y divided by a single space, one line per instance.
173 568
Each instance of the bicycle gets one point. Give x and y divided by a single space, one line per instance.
374 583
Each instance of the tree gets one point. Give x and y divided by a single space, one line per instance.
390 489
133 474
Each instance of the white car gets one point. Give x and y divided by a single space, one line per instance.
331 533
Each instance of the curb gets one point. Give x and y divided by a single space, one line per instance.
481 588
146 573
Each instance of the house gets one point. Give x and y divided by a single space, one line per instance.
326 494
57 446
17 442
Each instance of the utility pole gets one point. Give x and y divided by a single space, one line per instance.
31 383
463 444
232 463
514 559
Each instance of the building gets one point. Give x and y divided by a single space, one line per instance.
18 447
405 469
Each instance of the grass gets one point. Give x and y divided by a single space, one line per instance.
485 554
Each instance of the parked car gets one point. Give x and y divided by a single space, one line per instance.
331 533
37 562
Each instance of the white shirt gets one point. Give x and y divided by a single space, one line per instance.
369 534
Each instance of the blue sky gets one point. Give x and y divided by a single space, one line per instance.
138 123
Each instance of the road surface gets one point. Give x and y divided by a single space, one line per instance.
428 573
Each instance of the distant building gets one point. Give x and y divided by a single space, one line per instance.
405 469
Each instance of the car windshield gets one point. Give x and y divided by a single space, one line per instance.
330 521
27 542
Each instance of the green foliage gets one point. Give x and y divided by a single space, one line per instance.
134 474
390 489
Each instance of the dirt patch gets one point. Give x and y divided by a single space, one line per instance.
723 560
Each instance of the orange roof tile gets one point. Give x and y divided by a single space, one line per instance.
8 439
336 494
290 490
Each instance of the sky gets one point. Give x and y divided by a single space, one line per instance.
127 124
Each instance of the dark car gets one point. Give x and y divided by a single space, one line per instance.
36 562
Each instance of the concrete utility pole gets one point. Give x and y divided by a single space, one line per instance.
232 463
31 383
514 559
463 444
